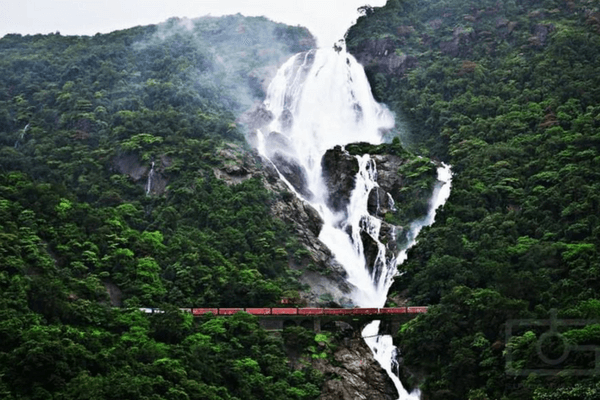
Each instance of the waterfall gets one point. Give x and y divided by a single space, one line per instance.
21 136
382 346
150 178
320 99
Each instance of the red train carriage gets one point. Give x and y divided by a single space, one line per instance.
337 311
284 311
258 311
365 311
229 311
310 311
392 310
202 311
416 310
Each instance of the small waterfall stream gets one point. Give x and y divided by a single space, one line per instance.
150 180
320 99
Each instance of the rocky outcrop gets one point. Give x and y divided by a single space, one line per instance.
354 373
256 118
388 177
462 39
540 34
379 55
339 172
235 165
130 165
293 173
325 277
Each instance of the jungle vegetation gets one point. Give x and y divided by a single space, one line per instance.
84 122
508 93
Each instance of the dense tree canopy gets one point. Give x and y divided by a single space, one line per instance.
108 198
509 94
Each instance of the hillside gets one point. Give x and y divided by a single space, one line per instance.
508 93
109 201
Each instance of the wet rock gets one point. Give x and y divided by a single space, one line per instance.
388 178
392 236
371 251
378 202
294 173
159 183
277 141
130 165
339 173
286 119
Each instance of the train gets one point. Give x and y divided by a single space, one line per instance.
296 311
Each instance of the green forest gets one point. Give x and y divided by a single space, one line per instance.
84 123
109 202
508 93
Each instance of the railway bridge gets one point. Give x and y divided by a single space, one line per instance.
276 319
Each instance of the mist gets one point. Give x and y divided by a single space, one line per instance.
233 55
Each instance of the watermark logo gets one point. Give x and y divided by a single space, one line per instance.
554 352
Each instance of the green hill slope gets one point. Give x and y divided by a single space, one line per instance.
108 198
509 94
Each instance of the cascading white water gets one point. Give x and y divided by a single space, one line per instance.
382 346
149 181
321 99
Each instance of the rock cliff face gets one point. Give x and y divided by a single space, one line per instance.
130 165
379 55
339 172
293 172
354 373
324 276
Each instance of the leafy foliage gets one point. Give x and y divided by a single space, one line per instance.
507 93
82 122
